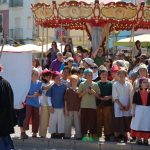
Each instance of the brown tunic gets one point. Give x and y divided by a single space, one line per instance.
72 99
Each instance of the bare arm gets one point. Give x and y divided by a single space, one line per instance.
119 103
82 94
94 54
133 110
46 87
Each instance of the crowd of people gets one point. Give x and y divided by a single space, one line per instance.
90 92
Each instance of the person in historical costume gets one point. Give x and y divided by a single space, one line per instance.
44 102
32 105
56 94
88 92
72 109
122 94
140 124
142 72
104 105
7 115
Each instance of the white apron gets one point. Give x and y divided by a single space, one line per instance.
141 121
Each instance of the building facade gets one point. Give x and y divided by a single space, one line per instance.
21 26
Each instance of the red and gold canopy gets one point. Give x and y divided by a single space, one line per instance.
75 15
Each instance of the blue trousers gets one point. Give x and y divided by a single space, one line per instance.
6 143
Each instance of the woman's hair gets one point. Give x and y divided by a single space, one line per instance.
54 42
137 42
45 75
65 49
37 62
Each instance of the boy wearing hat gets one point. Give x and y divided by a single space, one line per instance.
104 105
88 92
56 94
87 63
114 73
72 107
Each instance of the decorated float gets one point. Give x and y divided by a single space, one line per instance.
98 19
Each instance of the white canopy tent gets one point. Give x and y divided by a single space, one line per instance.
144 39
35 48
17 65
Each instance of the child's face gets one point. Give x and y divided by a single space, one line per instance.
73 82
89 76
47 78
122 75
145 84
104 75
114 74
66 73
57 80
142 72
35 75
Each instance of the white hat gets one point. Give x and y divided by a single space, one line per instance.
89 61
68 59
143 66
121 63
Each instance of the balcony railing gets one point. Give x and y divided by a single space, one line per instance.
16 33
15 3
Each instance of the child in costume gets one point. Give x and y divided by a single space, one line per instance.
140 124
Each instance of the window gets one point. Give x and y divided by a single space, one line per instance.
1 23
3 1
15 3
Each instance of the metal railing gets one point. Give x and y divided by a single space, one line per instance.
16 33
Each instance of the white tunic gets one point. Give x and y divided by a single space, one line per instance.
122 92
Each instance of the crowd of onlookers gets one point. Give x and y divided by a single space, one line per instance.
91 92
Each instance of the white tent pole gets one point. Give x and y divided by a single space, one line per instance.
114 40
47 39
83 35
132 40
42 56
61 37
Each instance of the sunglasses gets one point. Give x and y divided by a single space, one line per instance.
94 67
107 61
70 61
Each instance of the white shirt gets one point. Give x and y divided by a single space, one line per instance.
44 101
